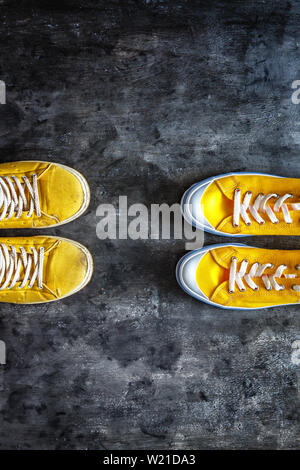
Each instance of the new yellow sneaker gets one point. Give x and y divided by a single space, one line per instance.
40 194
42 269
241 277
240 204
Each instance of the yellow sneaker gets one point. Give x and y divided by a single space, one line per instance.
241 277
42 269
240 204
40 194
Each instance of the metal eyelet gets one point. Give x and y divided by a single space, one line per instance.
233 258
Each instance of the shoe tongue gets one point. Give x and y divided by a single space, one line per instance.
22 269
227 185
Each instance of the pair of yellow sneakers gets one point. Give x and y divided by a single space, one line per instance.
37 269
236 276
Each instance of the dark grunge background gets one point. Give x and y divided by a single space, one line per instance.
146 97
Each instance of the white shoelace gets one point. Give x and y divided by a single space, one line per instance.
13 198
11 263
257 271
260 205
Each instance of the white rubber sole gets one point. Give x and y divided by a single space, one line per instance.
191 204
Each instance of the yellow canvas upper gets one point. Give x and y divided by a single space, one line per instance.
217 203
63 193
212 276
67 267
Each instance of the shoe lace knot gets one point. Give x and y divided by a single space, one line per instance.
24 267
257 270
260 205
17 196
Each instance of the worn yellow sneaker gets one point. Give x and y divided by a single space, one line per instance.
40 194
42 269
240 204
241 277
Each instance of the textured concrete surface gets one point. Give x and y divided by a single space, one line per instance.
145 98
